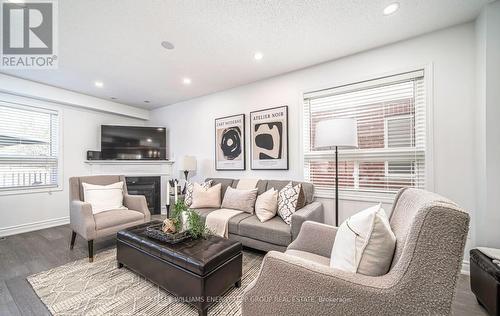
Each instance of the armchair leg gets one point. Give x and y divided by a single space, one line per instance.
73 237
91 250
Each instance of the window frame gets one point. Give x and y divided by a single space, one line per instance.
27 102
363 196
386 146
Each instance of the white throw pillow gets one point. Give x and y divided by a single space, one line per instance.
241 200
266 205
364 243
188 198
103 197
209 197
288 197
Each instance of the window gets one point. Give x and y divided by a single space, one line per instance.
390 114
29 147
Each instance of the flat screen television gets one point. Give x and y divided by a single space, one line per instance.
133 143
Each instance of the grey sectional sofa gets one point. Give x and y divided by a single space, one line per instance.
274 234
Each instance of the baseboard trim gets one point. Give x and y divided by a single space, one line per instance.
28 227
465 267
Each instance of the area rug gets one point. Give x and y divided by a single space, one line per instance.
100 288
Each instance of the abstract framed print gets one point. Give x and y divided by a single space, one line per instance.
230 142
269 139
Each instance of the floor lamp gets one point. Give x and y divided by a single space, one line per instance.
338 133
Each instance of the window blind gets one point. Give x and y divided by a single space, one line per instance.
29 145
390 114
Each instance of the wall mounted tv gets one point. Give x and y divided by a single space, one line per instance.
133 143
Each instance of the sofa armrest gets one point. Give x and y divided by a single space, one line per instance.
315 238
289 285
310 212
82 219
137 203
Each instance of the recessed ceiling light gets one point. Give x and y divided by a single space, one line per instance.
258 56
99 84
186 81
391 8
149 140
167 45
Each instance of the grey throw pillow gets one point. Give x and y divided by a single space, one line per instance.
242 200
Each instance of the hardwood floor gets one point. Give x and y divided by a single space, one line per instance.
25 254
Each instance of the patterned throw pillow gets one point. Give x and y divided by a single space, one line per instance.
188 198
287 201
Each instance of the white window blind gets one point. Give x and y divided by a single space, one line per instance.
390 114
29 145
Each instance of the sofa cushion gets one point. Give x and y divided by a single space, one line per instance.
261 185
241 200
364 243
224 184
274 231
266 205
307 188
205 211
103 197
188 197
288 198
206 197
99 180
325 261
115 218
233 222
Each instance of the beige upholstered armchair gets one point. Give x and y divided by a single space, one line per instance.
89 226
431 232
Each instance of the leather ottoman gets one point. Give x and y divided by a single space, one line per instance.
196 271
485 281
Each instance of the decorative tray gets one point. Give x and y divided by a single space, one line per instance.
155 232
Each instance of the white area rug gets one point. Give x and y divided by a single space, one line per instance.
100 288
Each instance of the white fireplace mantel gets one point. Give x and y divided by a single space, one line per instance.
131 167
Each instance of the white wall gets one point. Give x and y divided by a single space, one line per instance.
488 127
451 53
80 132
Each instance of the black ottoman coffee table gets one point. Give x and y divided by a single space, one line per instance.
196 271
485 281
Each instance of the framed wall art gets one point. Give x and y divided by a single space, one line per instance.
269 139
230 142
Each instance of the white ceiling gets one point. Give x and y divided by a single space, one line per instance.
118 41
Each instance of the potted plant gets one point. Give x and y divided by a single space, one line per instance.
184 222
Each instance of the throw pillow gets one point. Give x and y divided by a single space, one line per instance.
266 205
241 200
103 197
364 243
209 197
188 197
301 202
287 201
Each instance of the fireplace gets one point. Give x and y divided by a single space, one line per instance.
150 187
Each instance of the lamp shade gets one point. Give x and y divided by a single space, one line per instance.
342 133
188 163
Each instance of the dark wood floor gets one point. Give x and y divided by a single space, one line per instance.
25 254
